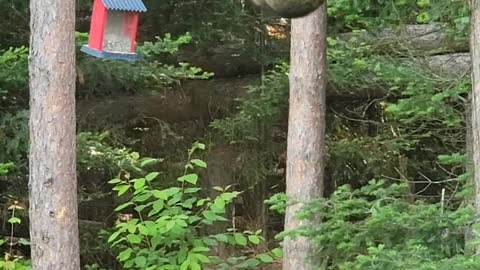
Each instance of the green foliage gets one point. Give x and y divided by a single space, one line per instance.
278 203
4 167
96 151
165 45
375 14
14 137
10 261
379 227
421 114
208 21
106 77
165 232
421 117
13 78
261 110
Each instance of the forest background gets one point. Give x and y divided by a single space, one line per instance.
396 181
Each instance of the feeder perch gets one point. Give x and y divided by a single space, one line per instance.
113 30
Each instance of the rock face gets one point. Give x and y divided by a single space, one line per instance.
451 65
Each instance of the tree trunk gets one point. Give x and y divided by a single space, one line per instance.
475 108
52 185
306 130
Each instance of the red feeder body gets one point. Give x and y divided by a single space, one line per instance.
113 30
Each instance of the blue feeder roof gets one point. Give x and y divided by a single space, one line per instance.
125 5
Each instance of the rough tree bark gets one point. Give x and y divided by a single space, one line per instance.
475 95
52 185
306 130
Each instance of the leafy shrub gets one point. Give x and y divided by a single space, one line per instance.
10 260
165 229
96 151
4 167
100 77
13 78
378 227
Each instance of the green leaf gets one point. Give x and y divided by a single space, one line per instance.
24 242
143 230
135 155
181 223
123 206
252 262
220 218
115 181
157 207
202 258
254 239
240 239
210 242
9 265
209 215
134 239
173 201
132 227
193 219
192 190
160 194
139 183
141 261
229 196
217 210
265 258
199 163
172 191
114 236
200 249
14 220
2 242
423 17
185 265
217 188
151 227
202 202
151 176
277 252
143 197
121 189
140 208
148 161
195 266
190 178
219 203
170 225
221 238
129 264
125 255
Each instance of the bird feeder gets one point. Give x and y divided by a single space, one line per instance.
113 29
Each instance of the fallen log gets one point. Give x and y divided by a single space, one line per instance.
448 66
